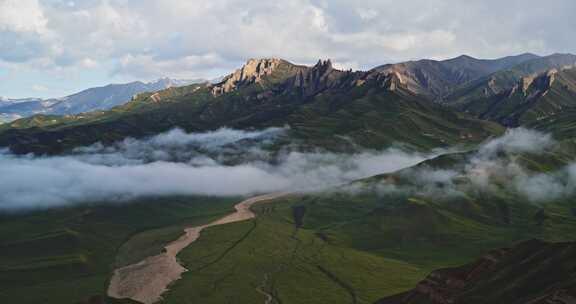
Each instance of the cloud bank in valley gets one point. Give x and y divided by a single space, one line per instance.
493 168
223 162
230 162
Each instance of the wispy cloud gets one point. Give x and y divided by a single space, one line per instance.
222 162
198 39
229 162
493 168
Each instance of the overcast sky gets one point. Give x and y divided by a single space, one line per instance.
51 48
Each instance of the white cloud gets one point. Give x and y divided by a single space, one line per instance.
148 66
367 13
177 163
148 38
399 42
517 140
495 168
22 16
39 88
88 63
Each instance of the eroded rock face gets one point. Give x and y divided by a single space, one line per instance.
302 80
317 74
318 78
323 76
252 72
538 83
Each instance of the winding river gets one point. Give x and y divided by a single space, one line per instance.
148 279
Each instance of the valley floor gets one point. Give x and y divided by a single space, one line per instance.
299 249
148 279
67 255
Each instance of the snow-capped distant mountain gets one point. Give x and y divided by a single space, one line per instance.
93 99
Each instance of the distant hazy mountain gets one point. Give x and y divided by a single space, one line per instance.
12 109
99 98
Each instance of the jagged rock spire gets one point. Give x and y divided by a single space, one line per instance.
252 72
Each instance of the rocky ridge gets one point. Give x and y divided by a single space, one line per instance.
281 77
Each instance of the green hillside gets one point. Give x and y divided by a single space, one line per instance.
66 255
542 273
562 125
359 247
355 243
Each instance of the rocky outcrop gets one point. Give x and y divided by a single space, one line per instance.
323 76
287 78
526 82
544 82
315 76
254 71
320 77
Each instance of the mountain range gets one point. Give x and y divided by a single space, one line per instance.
441 102
93 99
462 225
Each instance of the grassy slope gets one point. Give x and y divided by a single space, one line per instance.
347 247
376 119
363 247
66 255
140 102
230 264
530 272
551 268
562 125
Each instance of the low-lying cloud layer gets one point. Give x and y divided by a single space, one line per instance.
493 168
223 162
230 162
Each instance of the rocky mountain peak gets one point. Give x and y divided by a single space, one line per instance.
260 67
317 78
324 63
393 81
252 72
463 58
